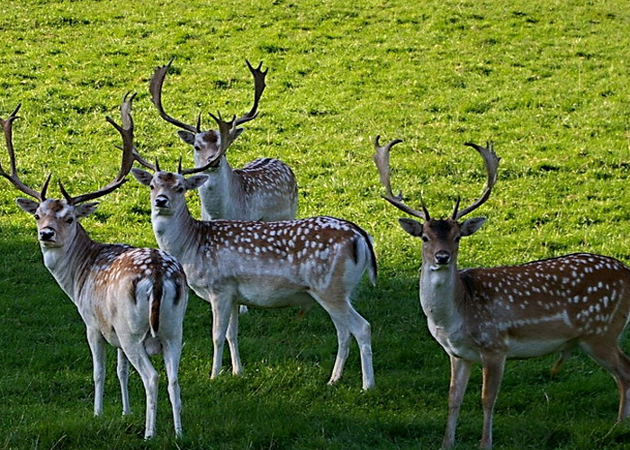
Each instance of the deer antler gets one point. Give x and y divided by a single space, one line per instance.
155 87
491 161
157 82
126 132
381 159
259 87
7 127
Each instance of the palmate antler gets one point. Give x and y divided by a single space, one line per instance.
381 159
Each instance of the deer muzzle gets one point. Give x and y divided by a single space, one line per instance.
443 257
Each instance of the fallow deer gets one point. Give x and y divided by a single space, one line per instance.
132 298
263 264
264 189
489 315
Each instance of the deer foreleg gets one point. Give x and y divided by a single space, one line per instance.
493 366
97 347
460 374
122 370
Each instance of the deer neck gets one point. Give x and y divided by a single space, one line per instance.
441 293
177 233
216 193
68 264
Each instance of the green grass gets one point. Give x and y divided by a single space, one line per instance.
547 81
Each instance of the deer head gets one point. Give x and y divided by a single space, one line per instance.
440 237
57 219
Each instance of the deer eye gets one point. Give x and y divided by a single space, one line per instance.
69 220
152 186
180 189
37 217
197 148
425 239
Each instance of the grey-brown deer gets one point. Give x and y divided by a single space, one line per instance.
131 298
264 189
489 315
263 264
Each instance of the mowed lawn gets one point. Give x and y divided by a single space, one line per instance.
546 81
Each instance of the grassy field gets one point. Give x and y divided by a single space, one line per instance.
547 81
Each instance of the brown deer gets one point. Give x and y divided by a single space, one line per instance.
132 298
264 189
263 264
489 315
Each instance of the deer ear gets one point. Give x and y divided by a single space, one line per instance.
187 137
85 209
27 205
471 226
196 181
142 176
411 226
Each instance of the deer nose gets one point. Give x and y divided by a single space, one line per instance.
161 201
47 234
442 257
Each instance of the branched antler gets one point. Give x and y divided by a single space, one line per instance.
155 88
491 161
381 159
126 132
157 82
259 87
7 127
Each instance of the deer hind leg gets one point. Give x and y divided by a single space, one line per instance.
460 374
139 359
493 366
172 347
122 370
232 340
617 363
349 322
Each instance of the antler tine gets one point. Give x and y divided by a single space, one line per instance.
7 127
381 159
259 87
228 133
491 161
128 154
155 88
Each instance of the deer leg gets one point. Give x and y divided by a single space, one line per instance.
343 348
122 370
232 339
493 366
618 364
342 318
361 330
139 359
172 348
221 312
97 347
460 374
